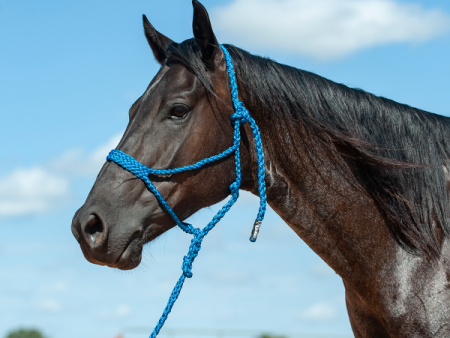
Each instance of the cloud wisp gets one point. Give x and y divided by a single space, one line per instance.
319 311
51 305
26 191
77 162
326 29
119 312
46 187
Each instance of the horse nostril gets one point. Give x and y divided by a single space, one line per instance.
94 232
94 225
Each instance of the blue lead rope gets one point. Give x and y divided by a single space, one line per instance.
239 117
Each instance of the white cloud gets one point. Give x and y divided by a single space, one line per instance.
326 29
26 191
118 312
49 305
77 162
319 311
42 188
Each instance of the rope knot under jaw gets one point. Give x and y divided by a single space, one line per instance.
194 248
241 114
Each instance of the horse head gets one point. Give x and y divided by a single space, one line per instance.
182 117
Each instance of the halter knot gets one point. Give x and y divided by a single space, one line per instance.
241 113
234 188
194 248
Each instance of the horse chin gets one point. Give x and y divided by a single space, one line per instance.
130 258
127 264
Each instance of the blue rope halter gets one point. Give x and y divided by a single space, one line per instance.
240 117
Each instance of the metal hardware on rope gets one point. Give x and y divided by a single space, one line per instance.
239 117
255 231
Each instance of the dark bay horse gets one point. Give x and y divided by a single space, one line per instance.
361 179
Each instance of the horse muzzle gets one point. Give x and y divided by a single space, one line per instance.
102 245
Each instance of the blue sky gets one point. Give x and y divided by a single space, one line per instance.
71 70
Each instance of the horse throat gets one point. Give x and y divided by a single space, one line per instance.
326 206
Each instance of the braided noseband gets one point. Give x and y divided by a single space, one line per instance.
240 117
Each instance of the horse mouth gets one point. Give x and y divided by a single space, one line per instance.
130 258
131 255
114 255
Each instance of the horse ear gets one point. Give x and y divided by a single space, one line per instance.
157 41
204 35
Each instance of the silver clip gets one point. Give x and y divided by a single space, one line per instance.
255 231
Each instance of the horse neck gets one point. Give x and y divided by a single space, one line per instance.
326 207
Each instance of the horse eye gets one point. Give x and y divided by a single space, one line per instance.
178 112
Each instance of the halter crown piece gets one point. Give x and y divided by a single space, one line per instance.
239 117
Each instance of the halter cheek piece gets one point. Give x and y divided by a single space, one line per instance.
240 117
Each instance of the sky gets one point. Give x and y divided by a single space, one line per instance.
69 73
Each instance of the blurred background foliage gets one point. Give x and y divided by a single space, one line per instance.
24 333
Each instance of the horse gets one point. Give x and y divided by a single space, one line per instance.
363 180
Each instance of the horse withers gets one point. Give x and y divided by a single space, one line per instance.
360 178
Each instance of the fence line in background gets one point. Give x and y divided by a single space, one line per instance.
138 332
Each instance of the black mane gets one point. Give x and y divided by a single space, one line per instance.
399 151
